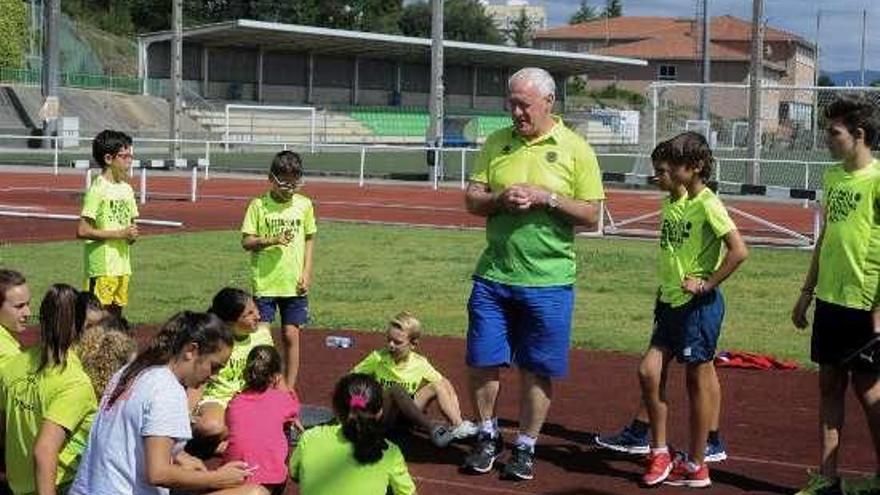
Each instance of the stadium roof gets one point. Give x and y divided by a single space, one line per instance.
276 36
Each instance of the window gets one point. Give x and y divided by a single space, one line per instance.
667 73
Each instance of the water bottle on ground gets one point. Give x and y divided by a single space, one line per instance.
339 341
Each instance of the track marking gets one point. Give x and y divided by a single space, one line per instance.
20 207
472 488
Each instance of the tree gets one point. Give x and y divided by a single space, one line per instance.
876 84
585 13
464 20
522 29
825 80
613 8
13 23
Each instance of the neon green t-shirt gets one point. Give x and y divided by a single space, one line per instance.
323 464
9 346
691 242
410 373
230 380
535 248
111 206
63 395
277 269
849 262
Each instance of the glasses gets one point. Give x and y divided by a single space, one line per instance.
283 184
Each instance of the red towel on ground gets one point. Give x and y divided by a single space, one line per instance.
750 360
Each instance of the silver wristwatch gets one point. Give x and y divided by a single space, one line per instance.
553 201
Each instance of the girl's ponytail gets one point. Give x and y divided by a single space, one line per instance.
358 404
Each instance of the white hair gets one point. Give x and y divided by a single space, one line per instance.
542 80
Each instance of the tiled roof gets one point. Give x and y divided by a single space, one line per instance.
723 28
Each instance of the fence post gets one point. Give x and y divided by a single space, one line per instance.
193 184
655 102
143 184
363 160
207 157
806 182
463 167
55 157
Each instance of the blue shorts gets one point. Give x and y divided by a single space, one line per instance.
294 310
527 326
690 331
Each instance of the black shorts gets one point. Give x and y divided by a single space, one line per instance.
838 334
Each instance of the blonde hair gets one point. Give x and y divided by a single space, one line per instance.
104 352
408 323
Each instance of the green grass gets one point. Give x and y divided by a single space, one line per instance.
365 274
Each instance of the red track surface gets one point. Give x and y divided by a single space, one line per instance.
769 419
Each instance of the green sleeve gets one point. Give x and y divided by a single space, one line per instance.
309 225
587 184
430 374
91 203
484 157
400 481
718 219
132 204
70 405
251 222
368 365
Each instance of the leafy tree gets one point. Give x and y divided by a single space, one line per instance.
613 8
522 29
13 23
825 80
876 84
585 13
464 20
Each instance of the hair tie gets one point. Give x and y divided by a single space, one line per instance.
357 401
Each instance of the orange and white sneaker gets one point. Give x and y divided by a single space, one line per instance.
659 467
682 476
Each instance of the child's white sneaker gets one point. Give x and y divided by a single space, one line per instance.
465 429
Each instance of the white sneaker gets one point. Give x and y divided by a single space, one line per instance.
441 436
465 429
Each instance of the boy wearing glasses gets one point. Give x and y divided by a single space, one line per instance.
279 231
107 221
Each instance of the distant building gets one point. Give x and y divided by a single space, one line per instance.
672 47
505 15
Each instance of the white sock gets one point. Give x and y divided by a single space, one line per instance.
489 426
523 439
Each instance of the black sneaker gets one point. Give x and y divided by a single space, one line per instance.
521 465
482 457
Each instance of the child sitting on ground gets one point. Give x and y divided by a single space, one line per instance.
352 456
411 383
256 419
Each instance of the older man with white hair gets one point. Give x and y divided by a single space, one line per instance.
534 182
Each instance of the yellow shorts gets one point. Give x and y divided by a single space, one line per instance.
109 289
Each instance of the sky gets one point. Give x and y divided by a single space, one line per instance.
839 35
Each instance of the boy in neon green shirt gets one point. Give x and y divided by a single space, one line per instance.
699 248
107 221
278 230
15 299
844 276
411 383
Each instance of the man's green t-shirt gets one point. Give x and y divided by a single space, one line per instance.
410 373
230 379
63 395
324 464
849 262
691 242
9 346
535 248
276 270
111 206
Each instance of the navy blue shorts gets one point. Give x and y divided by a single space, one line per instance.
690 331
526 326
294 310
